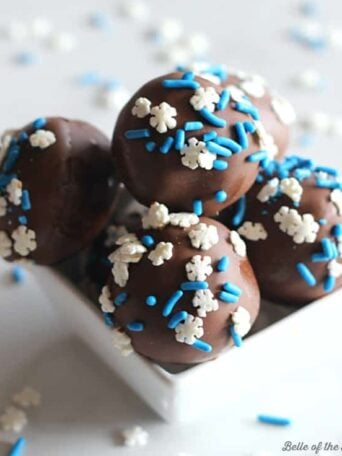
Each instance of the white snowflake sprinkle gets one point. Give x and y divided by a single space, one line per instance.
42 139
161 253
157 216
302 228
283 109
3 206
195 154
128 252
292 188
106 300
266 141
113 233
5 140
113 97
336 198
205 302
335 269
142 107
63 42
126 238
183 219
254 86
205 98
269 190
28 397
120 273
253 231
203 236
199 268
238 244
135 436
236 94
122 341
190 330
14 191
13 419
5 245
24 240
162 117
242 321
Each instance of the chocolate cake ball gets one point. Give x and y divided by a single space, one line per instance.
292 223
56 189
189 143
181 290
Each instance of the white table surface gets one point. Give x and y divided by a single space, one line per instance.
84 407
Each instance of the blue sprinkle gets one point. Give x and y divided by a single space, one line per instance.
259 179
306 140
220 196
257 156
337 230
26 58
107 318
151 300
329 284
224 100
302 174
325 183
18 274
194 286
25 200
240 211
150 146
171 302
248 109
136 326
137 134
310 8
18 447
166 146
274 420
327 247
229 143
197 207
322 221
147 240
22 137
120 298
180 139
335 252
215 148
11 158
326 169
180 84
22 219
222 264
229 298
241 135
100 20
191 126
89 79
39 123
235 336
212 119
233 289
319 258
177 318
220 165
202 345
5 180
218 70
306 274
188 75
209 136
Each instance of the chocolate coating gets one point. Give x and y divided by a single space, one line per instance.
71 189
157 341
154 176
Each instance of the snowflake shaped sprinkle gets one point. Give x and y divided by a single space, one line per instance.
203 236
266 141
205 98
254 86
190 330
126 238
162 252
135 436
269 190
3 206
14 191
199 268
5 141
236 94
122 341
106 300
183 219
302 228
162 117
284 110
5 245
238 244
335 269
24 240
113 233
253 231
195 154
13 419
28 397
142 107
336 198
242 321
291 188
42 139
157 216
205 302
120 273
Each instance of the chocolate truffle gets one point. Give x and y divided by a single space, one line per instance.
56 189
292 223
181 290
188 143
